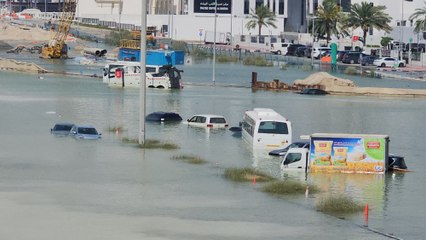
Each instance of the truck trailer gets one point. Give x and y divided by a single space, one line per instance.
345 153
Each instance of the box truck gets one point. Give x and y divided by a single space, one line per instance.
345 153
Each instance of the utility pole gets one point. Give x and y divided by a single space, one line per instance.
142 82
214 43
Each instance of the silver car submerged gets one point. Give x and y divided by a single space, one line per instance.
85 132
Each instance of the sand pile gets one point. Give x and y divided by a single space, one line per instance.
335 85
13 65
329 82
13 32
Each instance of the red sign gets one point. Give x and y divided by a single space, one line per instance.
355 38
375 145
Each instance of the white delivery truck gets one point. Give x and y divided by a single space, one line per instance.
345 153
221 38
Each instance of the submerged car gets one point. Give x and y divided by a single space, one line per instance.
208 121
85 132
61 129
313 91
283 151
163 117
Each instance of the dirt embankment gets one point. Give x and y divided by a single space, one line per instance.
12 32
13 65
335 85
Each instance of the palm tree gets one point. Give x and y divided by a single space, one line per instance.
419 18
261 17
366 16
328 17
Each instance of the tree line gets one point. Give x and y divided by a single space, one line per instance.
329 20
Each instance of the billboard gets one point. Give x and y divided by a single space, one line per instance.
351 154
208 6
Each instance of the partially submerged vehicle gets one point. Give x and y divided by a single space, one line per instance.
345 153
128 74
265 128
61 129
163 117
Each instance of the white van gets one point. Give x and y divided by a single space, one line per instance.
280 48
264 128
316 52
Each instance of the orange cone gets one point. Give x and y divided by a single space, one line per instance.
366 214
254 180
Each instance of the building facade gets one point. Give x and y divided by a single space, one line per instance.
192 19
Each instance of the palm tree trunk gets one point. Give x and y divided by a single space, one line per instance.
364 39
260 30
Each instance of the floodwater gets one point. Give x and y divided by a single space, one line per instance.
62 188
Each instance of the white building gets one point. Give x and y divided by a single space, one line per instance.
188 20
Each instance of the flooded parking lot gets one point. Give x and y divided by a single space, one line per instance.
65 188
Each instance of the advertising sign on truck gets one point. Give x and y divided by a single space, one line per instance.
350 153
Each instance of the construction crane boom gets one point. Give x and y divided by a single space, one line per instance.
56 48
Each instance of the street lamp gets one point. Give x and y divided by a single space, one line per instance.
214 42
142 82
313 41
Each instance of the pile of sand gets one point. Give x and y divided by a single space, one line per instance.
337 85
13 65
12 32
327 81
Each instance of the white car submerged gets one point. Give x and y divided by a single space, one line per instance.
208 121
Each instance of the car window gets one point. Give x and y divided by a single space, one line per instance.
62 127
292 157
273 127
84 130
217 120
193 119
201 119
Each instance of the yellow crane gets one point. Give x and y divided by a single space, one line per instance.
56 48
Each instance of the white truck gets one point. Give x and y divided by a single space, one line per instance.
221 38
347 153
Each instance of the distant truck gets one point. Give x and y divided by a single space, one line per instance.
221 38
345 153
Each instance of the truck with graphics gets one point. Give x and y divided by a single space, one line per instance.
344 153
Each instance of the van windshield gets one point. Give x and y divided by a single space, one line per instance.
273 127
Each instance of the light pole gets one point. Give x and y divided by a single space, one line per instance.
142 82
214 43
401 31
313 40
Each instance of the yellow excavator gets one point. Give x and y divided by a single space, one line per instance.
56 48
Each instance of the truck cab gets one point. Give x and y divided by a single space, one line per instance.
295 159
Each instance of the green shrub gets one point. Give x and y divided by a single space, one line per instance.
200 53
257 61
180 45
306 68
350 71
226 59
338 204
246 175
288 187
115 37
189 159
129 140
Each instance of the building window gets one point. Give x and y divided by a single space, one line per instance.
281 7
273 6
246 6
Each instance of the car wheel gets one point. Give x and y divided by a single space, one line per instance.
352 62
279 52
383 65
401 65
